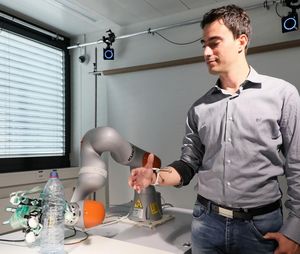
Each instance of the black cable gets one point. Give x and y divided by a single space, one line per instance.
176 43
22 240
266 5
166 205
276 9
74 234
11 240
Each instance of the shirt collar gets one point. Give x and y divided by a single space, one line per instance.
252 81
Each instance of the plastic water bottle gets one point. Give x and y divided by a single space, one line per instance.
52 235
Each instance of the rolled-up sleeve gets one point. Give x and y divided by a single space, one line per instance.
192 147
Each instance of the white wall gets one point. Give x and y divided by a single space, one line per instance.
148 108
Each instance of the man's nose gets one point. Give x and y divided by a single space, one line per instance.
207 51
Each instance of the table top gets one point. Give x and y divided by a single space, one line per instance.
93 245
173 236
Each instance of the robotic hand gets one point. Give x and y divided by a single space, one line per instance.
27 213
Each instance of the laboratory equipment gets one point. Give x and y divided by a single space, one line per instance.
82 213
27 213
93 172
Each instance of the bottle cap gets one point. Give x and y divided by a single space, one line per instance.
54 174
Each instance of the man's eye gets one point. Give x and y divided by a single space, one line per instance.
213 44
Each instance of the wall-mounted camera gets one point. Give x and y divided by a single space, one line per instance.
82 59
108 52
290 22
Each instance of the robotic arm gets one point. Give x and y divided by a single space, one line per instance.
93 172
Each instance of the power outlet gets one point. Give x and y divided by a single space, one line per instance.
41 175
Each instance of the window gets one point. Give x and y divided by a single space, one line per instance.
34 100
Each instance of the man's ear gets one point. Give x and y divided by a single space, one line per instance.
243 42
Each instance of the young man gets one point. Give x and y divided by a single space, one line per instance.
235 135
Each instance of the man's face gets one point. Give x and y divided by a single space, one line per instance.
220 48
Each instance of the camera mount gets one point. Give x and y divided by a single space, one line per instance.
108 53
293 4
109 39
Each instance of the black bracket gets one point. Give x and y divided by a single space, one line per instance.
109 39
292 4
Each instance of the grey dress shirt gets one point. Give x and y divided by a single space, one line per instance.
239 144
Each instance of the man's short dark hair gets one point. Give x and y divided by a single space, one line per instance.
234 18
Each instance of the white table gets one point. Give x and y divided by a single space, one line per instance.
173 236
93 245
170 237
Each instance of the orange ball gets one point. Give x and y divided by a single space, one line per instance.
93 213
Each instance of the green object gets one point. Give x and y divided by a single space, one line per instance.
17 220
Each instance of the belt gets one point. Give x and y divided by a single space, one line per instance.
239 213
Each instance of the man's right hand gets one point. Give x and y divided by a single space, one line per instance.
142 177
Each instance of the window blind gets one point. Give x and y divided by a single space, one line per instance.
32 98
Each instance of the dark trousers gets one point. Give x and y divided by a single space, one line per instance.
214 234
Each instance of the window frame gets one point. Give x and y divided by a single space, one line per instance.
19 164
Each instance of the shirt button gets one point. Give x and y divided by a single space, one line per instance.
230 118
228 161
228 183
229 139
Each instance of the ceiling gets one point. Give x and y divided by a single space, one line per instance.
76 17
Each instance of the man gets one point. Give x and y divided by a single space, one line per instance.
235 135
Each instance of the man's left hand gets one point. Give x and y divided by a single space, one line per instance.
285 245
